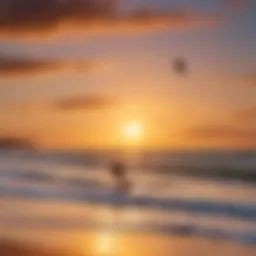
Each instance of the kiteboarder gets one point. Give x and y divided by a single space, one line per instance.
118 171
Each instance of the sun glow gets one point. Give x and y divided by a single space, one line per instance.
133 131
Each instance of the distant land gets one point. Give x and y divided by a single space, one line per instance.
11 143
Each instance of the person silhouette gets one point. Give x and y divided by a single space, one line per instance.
119 173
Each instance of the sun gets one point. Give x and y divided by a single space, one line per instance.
133 130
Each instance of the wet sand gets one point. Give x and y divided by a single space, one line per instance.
36 229
136 245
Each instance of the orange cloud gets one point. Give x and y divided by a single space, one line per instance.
89 102
28 17
251 80
223 133
17 65
247 115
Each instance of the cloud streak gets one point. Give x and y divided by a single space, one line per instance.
88 102
247 115
237 5
251 80
24 17
19 65
223 132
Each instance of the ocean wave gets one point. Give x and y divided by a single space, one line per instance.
102 196
234 165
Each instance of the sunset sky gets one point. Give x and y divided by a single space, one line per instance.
74 72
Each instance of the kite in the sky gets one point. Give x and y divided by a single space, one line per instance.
180 66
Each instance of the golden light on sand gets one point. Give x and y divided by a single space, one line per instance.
105 243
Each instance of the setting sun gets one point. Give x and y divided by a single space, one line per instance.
133 130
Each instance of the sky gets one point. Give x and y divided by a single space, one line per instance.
73 73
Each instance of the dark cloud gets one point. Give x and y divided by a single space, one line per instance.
16 143
89 102
31 14
223 132
247 115
17 65
18 17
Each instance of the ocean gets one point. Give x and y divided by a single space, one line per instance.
209 194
